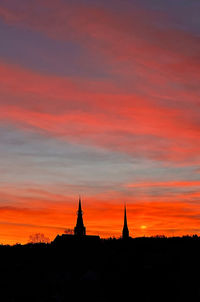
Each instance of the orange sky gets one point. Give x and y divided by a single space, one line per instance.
99 98
145 218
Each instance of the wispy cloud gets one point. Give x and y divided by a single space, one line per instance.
111 111
134 124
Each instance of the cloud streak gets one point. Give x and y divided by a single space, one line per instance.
88 114
129 97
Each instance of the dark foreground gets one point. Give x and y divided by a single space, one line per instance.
143 269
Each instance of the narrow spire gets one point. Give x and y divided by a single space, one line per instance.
79 229
125 218
79 205
125 231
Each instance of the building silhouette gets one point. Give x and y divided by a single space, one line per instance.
125 231
79 232
79 229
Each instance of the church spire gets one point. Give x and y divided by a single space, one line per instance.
79 205
125 231
79 229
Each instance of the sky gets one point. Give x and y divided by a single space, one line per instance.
99 98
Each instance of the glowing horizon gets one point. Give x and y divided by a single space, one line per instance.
99 98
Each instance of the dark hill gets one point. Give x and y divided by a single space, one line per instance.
141 269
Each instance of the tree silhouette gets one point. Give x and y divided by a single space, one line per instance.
69 231
38 238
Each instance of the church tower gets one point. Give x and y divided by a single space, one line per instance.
79 229
125 232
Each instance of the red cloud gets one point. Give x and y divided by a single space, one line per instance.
79 112
173 184
132 36
162 65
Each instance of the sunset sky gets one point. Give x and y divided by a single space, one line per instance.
99 98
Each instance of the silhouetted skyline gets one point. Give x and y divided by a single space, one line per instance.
80 229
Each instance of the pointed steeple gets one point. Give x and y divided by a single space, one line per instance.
79 205
79 229
125 231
